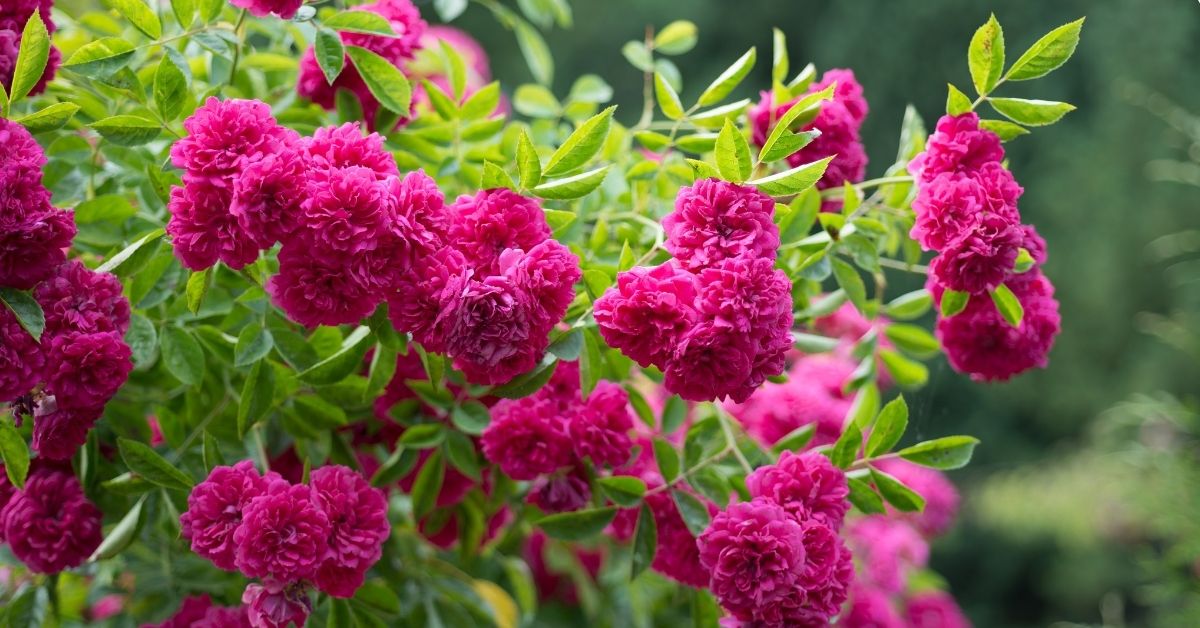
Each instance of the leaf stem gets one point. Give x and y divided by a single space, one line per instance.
919 269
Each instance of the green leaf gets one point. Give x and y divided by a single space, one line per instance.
676 38
116 263
142 339
428 484
27 310
572 187
182 355
100 58
949 452
536 101
528 165
1025 261
888 428
985 56
360 22
851 283
141 16
170 88
449 10
1003 128
864 497
667 459
460 451
912 338
674 413
536 52
953 302
779 62
694 512
340 614
14 452
846 448
423 436
909 305
471 417
346 360
1047 53
636 53
121 535
591 361
896 493
146 462
495 177
212 452
330 53
569 346
381 371
907 373
957 103
127 130
577 525
1008 305
803 111
397 465
31 58
258 395
728 80
794 180
185 11
645 542
482 103
527 383
796 439
624 490
253 344
1031 112
385 81
733 154
197 287
51 118
668 100
581 145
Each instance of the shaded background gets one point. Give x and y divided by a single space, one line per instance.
1034 545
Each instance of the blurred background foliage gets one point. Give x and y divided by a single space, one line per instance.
1081 504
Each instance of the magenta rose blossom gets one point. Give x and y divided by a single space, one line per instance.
198 611
755 553
345 146
487 224
265 200
980 259
203 230
59 434
79 299
345 209
215 510
489 329
710 362
715 220
935 609
957 145
284 533
285 9
889 550
277 604
600 429
648 311
547 273
417 301
50 525
418 211
871 608
21 358
224 136
526 438
564 493
358 526
806 485
678 555
85 370
979 342
33 241
315 290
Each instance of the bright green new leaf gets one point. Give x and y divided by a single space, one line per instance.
728 80
170 88
733 154
851 283
896 493
985 56
31 58
1008 305
581 145
676 38
536 52
950 452
668 100
889 427
51 118
794 180
572 187
27 310
100 58
14 453
385 81
1031 112
953 302
1003 128
360 22
957 103
141 16
1047 53
779 61
127 130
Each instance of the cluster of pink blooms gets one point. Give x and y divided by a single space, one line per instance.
198 611
49 525
82 358
838 120
14 14
327 533
494 287
966 210
891 548
717 318
777 559
405 21
552 433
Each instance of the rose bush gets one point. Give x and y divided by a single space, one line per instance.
306 322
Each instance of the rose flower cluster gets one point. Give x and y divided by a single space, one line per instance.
405 21
966 210
14 14
49 525
777 560
552 433
839 121
717 318
327 533
64 380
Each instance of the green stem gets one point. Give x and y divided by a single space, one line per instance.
899 265
731 439
869 183
237 50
